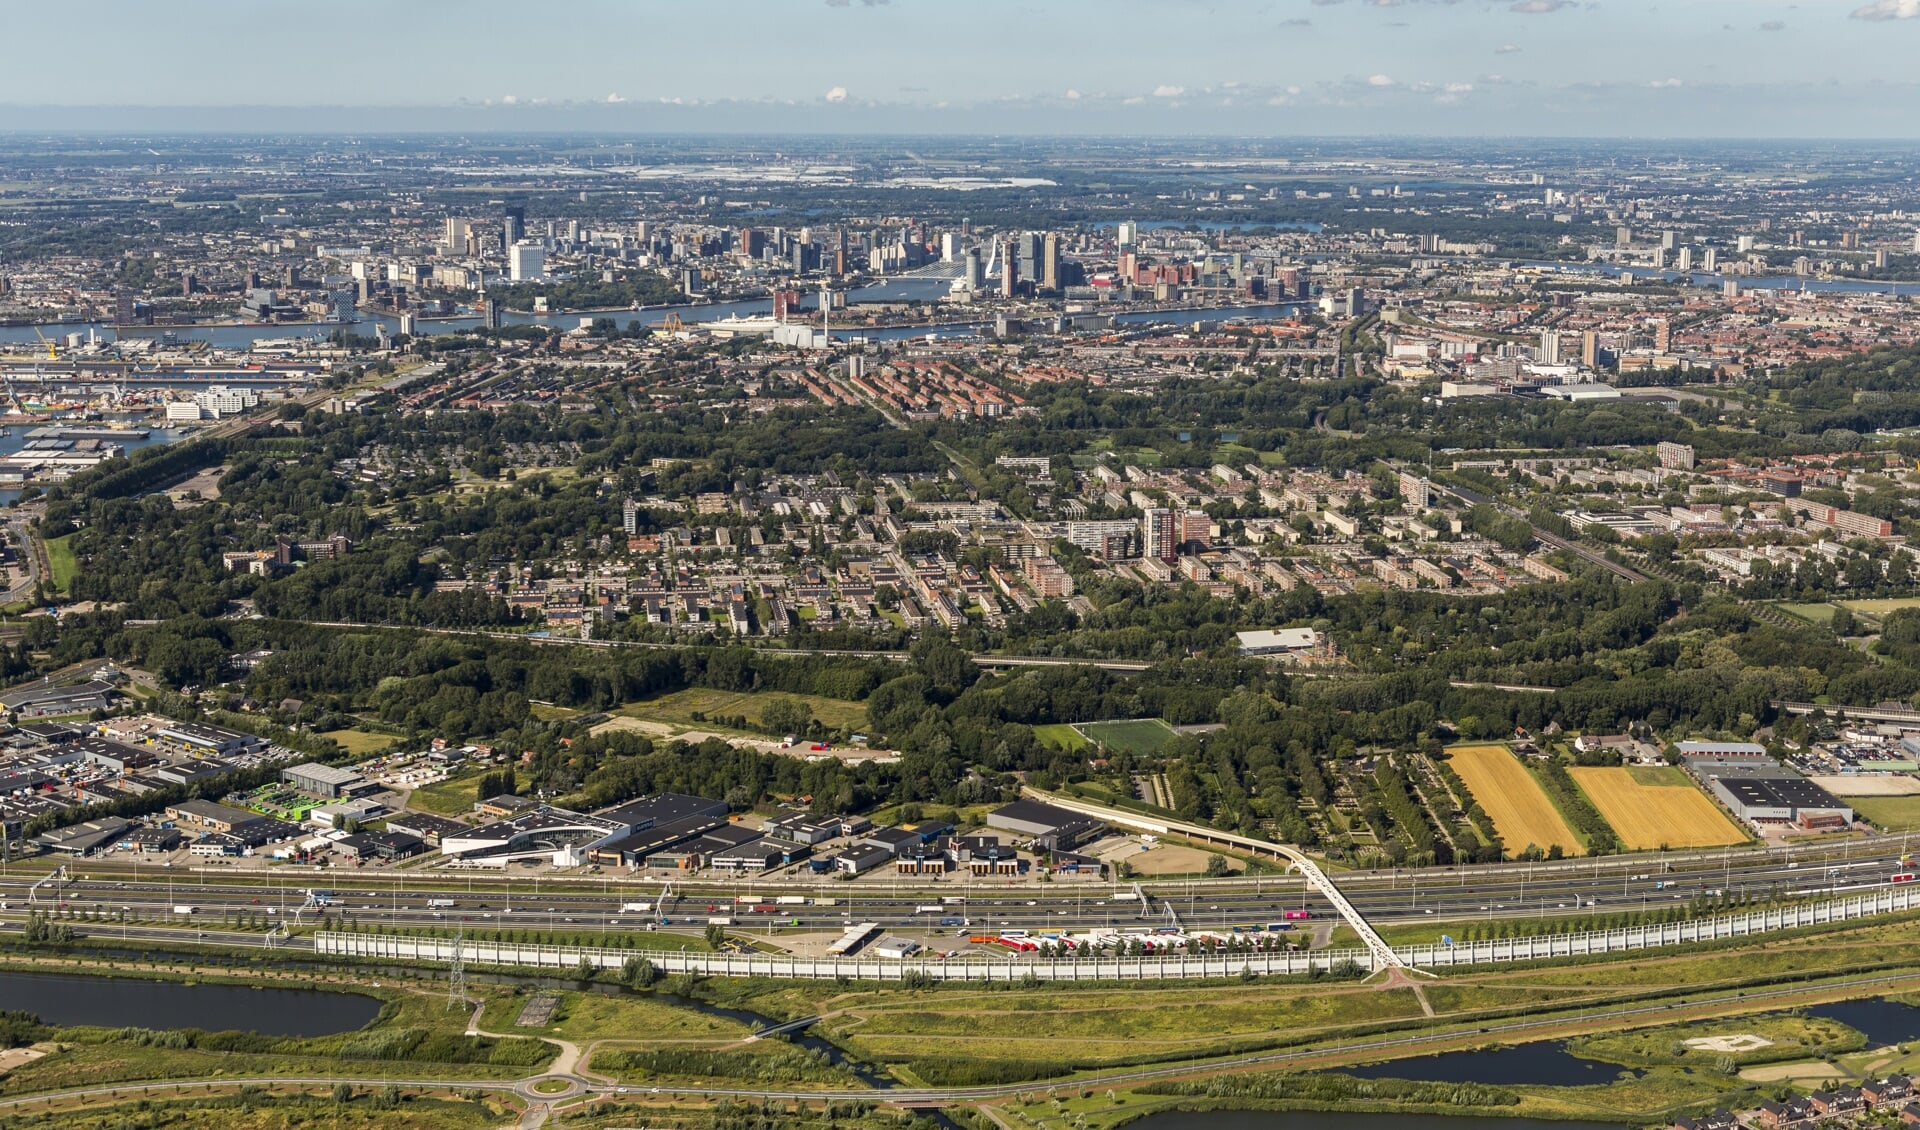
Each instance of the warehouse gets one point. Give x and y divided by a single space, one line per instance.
1775 799
639 849
210 816
44 700
1048 827
763 854
323 782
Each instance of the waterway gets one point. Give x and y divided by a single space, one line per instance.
16 438
1344 1120
114 1002
1713 281
1881 1021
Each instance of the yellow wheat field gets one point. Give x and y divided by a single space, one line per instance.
1647 817
1521 812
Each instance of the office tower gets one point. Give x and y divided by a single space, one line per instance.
1710 259
1623 237
1128 234
1549 351
290 278
1916 243
1659 258
1685 261
1802 265
1669 240
513 225
630 517
1162 536
456 236
1590 349
1880 257
123 308
643 231
972 276
752 243
573 232
949 247
1009 270
526 262
1028 248
1662 336
1730 289
1050 262
493 315
1746 243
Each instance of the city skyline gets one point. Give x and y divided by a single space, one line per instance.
1732 68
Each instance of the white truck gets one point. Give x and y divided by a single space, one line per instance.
635 907
186 909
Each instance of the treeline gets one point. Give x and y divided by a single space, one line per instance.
394 1045
787 1065
1574 805
1327 1088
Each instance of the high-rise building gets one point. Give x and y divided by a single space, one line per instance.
630 517
972 275
513 225
526 262
123 308
456 236
1009 271
1050 262
950 247
573 233
1745 243
1128 234
493 315
1623 237
1684 262
1590 349
1674 456
1161 537
1669 240
752 243
1710 259
1880 257
1549 351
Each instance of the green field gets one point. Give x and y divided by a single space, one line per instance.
678 709
1874 608
451 797
1061 736
1812 613
359 742
1135 735
1889 813
60 559
1659 775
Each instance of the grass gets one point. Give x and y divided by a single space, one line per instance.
61 561
1812 613
1878 609
451 797
1889 813
677 709
1647 817
1790 1036
1061 736
1521 810
630 1017
1135 735
359 742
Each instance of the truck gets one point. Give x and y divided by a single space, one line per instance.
929 909
826 902
439 904
953 900
764 908
1298 915
635 907
186 909
791 900
744 900
720 920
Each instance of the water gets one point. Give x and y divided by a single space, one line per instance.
71 1001
1344 1120
1544 1063
17 439
1703 279
812 1043
1881 1021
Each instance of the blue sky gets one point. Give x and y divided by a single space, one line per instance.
1756 68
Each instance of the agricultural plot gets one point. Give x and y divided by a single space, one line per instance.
1521 812
1135 735
1646 817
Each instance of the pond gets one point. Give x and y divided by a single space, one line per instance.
116 1002
1545 1064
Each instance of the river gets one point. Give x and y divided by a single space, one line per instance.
115 1002
16 438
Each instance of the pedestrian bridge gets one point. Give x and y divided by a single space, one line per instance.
1383 955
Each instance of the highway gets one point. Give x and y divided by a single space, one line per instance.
1435 896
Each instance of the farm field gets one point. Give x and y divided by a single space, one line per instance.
1889 813
1646 817
679 708
1135 735
1813 613
1061 736
1852 786
1521 812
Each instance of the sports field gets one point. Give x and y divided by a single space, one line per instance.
1521 812
1135 735
1646 817
1878 609
1061 736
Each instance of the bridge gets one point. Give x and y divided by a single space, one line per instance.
1862 713
1383 954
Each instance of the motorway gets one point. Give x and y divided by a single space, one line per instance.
1387 899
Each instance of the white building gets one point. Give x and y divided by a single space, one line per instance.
527 262
183 412
220 400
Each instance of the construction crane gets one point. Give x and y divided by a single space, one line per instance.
52 354
672 324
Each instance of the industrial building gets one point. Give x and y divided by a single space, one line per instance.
323 782
1763 797
1049 828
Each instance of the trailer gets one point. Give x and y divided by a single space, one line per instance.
186 909
791 900
439 904
635 907
720 920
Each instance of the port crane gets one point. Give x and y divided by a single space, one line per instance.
52 353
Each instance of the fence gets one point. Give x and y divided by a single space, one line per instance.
392 947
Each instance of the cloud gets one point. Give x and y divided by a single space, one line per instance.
837 94
614 99
1380 80
1072 95
863 3
1889 10
1166 91
1507 49
509 100
1539 7
1774 25
1297 22
1665 83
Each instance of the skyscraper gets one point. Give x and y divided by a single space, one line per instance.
1050 263
1549 351
456 236
972 272
1590 349
1009 271
1162 534
513 225
526 262
1710 259
1128 234
950 247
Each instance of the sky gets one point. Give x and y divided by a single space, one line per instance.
1626 68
